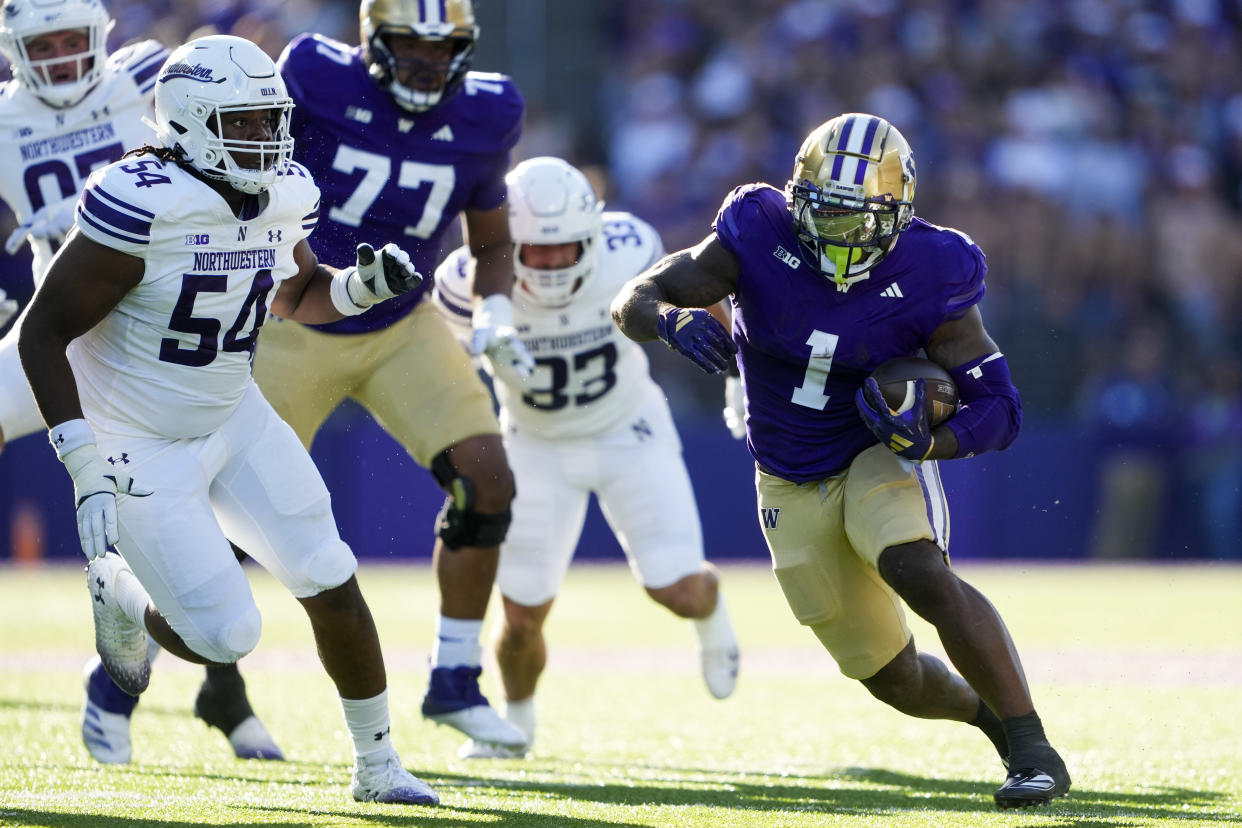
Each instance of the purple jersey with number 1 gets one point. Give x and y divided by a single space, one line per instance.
805 346
388 174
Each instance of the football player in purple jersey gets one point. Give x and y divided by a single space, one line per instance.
72 108
402 139
827 280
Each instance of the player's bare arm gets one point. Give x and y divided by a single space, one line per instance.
487 234
958 341
697 277
86 280
307 296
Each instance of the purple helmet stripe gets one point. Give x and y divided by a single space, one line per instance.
838 162
869 136
861 172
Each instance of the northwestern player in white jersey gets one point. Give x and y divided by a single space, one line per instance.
854 515
402 140
588 419
138 346
70 109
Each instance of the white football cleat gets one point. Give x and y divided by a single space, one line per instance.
121 644
105 716
483 750
453 699
388 782
719 666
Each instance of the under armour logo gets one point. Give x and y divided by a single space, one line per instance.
124 458
643 429
99 595
60 439
273 236
379 737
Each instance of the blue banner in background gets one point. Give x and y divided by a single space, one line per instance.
1037 500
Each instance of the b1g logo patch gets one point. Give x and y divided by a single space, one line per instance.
787 257
196 239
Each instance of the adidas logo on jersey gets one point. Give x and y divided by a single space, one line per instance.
444 133
893 292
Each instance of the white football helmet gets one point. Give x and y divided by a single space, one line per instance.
451 20
203 81
851 194
24 19
551 202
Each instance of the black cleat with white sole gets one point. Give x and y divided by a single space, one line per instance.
1034 781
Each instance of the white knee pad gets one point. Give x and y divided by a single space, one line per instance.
326 567
241 636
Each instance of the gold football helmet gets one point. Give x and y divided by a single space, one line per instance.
852 194
435 20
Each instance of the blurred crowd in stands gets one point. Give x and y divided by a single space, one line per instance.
1093 148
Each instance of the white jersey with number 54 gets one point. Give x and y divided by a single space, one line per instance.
589 377
172 359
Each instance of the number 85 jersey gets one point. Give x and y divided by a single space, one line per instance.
589 378
173 357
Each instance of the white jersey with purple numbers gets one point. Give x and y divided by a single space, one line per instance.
588 377
47 153
172 359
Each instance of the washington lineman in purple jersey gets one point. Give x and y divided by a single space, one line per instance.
822 293
402 139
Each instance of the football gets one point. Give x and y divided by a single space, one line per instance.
896 377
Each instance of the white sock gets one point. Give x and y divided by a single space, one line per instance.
521 714
716 630
457 642
368 724
131 597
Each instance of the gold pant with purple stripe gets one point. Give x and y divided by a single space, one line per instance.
826 536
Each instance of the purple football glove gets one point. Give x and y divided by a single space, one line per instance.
696 334
907 434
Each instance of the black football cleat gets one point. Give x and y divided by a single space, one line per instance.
1032 785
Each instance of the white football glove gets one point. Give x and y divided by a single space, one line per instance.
373 279
96 485
51 221
735 407
8 307
494 334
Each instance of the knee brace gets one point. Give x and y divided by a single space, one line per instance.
459 524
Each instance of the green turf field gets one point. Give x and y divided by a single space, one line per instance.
1137 672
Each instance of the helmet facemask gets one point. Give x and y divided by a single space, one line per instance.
24 21
851 195
551 202
451 22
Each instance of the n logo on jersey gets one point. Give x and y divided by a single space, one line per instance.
770 516
787 257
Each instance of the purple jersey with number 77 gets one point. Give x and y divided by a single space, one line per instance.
805 346
390 175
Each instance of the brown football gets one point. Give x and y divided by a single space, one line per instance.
895 379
